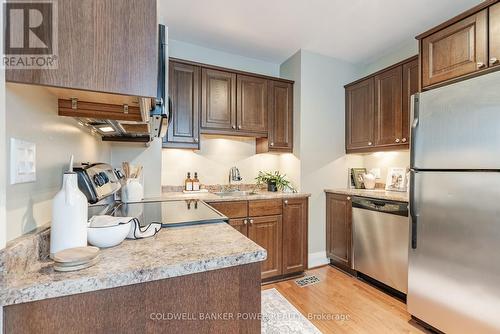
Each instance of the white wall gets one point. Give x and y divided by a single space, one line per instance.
183 50
32 116
214 159
138 154
400 52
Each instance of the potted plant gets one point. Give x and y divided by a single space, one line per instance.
274 180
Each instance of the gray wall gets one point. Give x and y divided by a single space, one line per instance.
183 50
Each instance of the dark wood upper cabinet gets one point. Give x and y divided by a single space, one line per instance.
103 46
252 104
339 230
410 87
184 129
267 233
388 107
295 212
459 49
495 35
360 113
218 100
280 122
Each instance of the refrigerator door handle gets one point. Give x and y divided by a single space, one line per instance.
414 114
413 215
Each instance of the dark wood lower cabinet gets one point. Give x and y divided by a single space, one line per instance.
295 212
145 308
279 226
339 230
267 233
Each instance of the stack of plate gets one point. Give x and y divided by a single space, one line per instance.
76 258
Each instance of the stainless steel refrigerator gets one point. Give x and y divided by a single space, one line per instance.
454 265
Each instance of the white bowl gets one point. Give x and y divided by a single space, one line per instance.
107 236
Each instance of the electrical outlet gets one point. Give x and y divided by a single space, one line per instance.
22 161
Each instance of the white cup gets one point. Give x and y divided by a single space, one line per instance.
133 191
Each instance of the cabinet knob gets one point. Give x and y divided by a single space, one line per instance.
239 127
481 65
370 143
404 140
234 126
286 202
494 61
196 140
251 221
272 144
348 198
397 140
244 221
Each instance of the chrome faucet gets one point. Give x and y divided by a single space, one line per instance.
234 175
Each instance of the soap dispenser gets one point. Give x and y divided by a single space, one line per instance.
69 215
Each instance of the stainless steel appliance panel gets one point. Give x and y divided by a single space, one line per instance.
458 126
380 246
454 271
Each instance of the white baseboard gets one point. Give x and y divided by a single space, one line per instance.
317 259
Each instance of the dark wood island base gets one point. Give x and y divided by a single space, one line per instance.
219 301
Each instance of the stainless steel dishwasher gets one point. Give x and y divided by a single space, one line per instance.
381 232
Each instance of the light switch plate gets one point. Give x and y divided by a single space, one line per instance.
22 161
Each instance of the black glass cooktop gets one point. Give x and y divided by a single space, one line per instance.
168 213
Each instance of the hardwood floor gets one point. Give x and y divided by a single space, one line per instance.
352 306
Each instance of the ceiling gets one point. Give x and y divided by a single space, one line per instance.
357 31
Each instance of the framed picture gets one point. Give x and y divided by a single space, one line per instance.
396 179
357 175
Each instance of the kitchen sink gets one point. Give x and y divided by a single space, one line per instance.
235 193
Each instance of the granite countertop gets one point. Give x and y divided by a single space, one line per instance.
211 197
171 253
377 193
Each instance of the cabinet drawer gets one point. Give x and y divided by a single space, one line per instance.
264 208
232 209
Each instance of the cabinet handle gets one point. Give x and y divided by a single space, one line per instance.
348 198
397 140
239 127
244 221
286 202
481 65
370 143
494 61
251 221
272 144
404 140
234 126
196 140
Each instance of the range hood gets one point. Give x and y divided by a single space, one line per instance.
118 117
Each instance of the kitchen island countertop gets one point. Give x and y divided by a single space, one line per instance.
171 253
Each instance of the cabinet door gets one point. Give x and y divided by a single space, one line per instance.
218 100
103 46
266 232
295 212
184 129
280 116
360 115
410 87
388 107
252 104
240 225
459 49
495 35
339 229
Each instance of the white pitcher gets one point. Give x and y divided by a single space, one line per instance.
69 216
